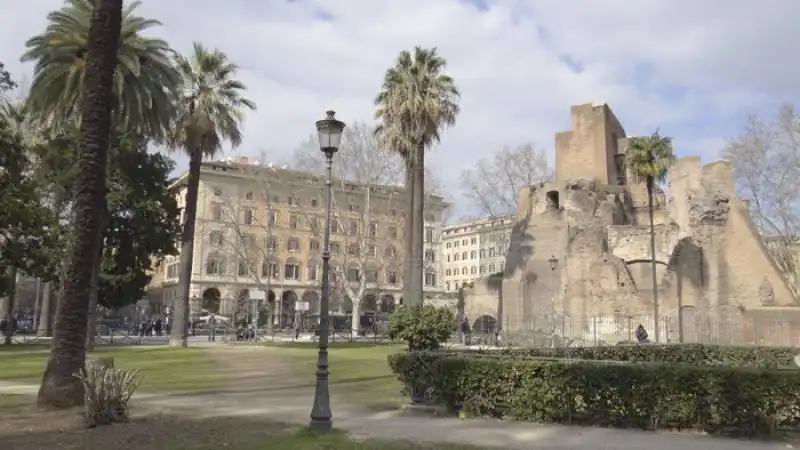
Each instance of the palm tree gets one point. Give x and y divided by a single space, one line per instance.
650 157
210 111
416 102
60 388
145 79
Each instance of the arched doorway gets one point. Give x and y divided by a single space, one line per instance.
211 300
387 304
288 309
484 324
266 310
311 316
369 303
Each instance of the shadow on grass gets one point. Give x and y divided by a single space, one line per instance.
174 433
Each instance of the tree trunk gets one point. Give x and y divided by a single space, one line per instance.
60 388
46 311
650 182
408 227
91 322
180 310
418 232
8 306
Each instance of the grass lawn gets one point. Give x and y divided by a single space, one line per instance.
164 369
359 373
15 347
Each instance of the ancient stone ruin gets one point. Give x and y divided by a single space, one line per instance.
579 268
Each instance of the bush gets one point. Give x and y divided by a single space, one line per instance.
423 327
716 399
107 392
694 354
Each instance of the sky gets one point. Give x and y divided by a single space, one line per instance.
694 70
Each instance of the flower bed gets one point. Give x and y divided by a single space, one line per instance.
716 399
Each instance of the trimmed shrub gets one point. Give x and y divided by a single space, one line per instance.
693 354
423 327
717 399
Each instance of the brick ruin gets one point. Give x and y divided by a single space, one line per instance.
579 269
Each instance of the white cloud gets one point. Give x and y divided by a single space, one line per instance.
691 68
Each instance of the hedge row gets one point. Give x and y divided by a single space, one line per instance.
695 354
733 400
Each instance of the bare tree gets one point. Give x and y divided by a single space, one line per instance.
766 163
493 183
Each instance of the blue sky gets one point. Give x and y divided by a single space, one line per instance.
693 69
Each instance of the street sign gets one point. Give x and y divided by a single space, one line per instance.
256 294
303 306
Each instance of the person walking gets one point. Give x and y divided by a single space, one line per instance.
212 328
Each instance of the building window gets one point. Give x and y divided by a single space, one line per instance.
312 271
313 224
244 269
456 257
216 211
248 242
217 192
272 217
472 254
473 270
448 258
430 279
473 241
483 270
172 270
373 229
276 199
353 275
447 272
482 252
391 277
353 227
248 195
390 253
464 256
248 216
447 286
491 268
291 271
430 255
448 245
334 224
270 269
293 244
293 222
271 243
455 244
391 232
372 250
429 235
372 276
353 250
313 245
292 201
393 212
215 265
336 247
314 202
215 238
491 252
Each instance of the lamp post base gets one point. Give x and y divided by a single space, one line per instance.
321 426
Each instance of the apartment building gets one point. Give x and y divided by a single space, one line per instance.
259 238
475 249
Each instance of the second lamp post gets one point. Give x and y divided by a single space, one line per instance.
330 136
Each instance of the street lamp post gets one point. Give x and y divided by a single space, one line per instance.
330 136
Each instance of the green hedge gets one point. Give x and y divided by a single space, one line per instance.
747 401
694 354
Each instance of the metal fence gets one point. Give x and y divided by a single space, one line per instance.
544 330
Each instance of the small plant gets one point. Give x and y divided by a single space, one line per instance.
423 327
107 392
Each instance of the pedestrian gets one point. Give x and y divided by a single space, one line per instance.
212 328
